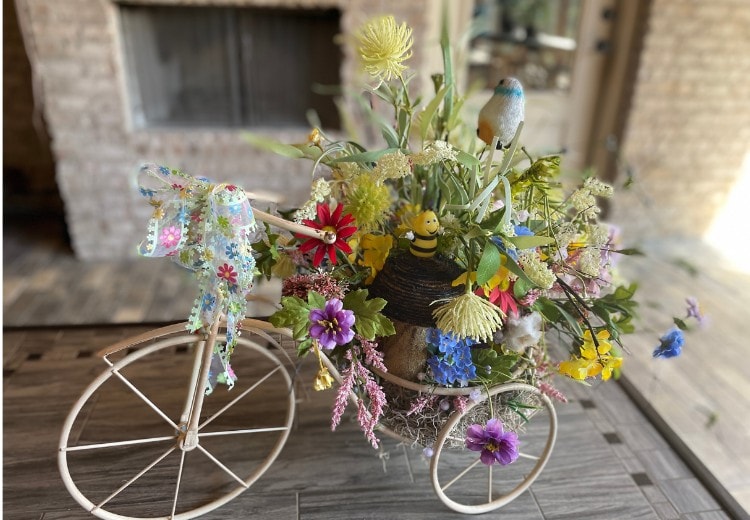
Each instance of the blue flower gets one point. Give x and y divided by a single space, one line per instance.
671 344
232 250
501 246
523 231
208 302
451 364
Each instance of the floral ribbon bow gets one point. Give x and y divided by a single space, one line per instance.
207 228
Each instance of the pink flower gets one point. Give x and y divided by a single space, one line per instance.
170 236
227 273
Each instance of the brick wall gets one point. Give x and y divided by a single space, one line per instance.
28 168
76 53
689 128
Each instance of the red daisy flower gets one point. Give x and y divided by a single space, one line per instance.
335 223
227 273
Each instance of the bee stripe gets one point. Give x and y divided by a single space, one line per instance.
424 249
424 237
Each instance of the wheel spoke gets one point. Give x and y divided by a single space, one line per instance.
527 456
249 430
222 466
145 399
236 399
139 475
464 472
117 443
489 483
177 486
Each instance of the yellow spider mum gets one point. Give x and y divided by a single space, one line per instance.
368 202
384 46
469 316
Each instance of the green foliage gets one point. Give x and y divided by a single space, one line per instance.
294 314
500 365
369 322
489 263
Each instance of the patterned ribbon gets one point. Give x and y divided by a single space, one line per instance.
207 228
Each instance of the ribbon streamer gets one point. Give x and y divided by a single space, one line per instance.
209 229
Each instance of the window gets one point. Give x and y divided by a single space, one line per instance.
193 66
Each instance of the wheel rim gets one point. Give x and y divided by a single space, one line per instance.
454 481
222 444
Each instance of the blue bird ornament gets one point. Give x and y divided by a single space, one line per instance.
502 114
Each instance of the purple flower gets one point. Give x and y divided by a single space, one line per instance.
694 310
332 325
495 444
670 344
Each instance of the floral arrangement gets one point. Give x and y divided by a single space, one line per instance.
531 264
446 255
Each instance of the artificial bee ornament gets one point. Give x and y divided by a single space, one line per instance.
502 114
423 236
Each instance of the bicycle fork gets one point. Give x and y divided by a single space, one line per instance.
191 413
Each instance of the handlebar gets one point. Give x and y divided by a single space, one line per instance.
329 237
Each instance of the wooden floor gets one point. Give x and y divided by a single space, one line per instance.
610 461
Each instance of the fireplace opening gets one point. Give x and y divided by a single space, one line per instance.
197 66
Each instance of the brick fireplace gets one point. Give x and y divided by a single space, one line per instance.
100 131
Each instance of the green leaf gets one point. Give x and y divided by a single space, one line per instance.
315 300
274 146
572 322
514 268
365 157
303 347
489 263
369 322
681 324
530 241
630 251
445 46
294 314
500 365
429 112
467 159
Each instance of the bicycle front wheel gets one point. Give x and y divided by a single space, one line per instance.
121 453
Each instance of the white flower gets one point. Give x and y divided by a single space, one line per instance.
588 262
435 152
598 188
521 333
537 271
392 166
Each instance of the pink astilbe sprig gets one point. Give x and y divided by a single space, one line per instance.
371 400
348 378
421 402
370 417
460 403
550 391
373 356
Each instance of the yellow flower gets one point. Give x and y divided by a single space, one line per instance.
593 360
469 316
323 380
376 249
575 367
384 46
588 349
464 277
368 202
